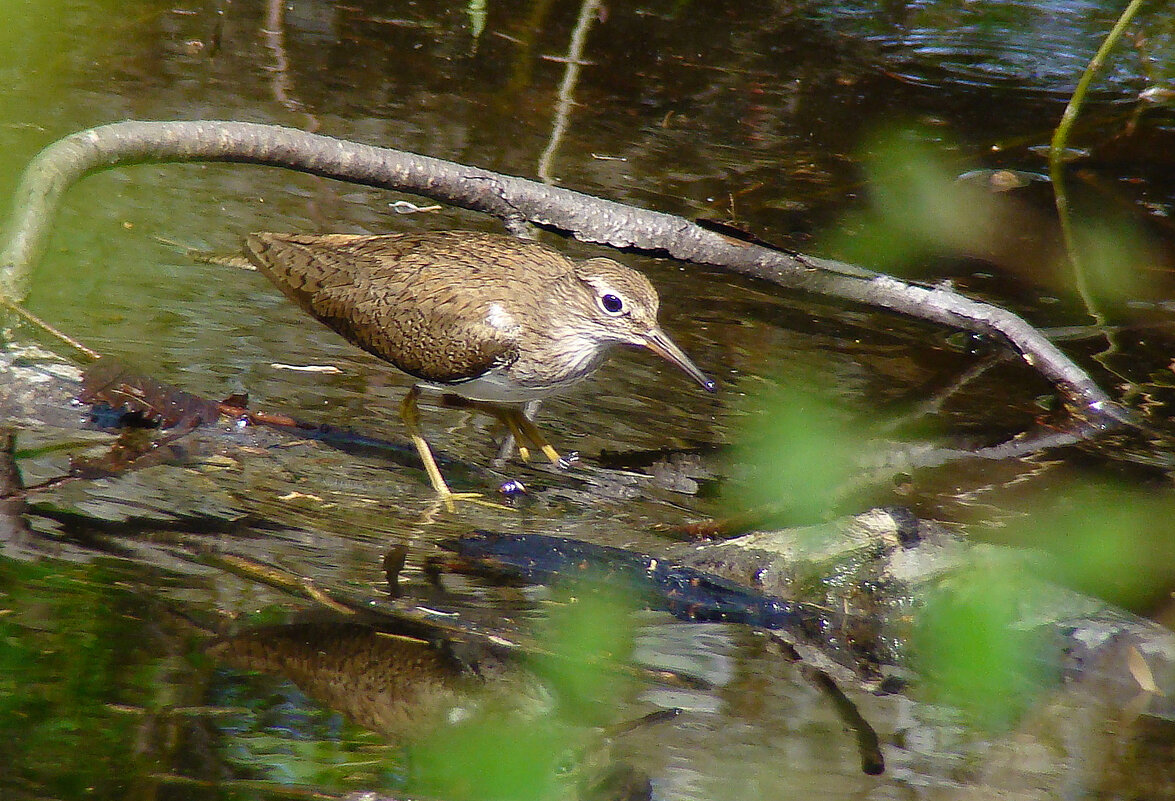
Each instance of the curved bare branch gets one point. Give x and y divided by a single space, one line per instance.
513 199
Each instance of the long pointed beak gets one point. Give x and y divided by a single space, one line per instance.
657 341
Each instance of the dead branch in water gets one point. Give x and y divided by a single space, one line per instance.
515 201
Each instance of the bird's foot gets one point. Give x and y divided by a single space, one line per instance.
451 499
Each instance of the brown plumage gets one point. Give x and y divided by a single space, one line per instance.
488 317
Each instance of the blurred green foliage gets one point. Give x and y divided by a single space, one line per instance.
976 640
972 647
920 209
589 639
1116 262
976 643
532 752
1102 540
797 449
916 207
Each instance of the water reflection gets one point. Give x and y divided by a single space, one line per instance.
1032 47
711 109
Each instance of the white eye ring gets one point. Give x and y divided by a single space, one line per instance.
611 304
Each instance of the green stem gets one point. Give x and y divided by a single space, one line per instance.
1060 142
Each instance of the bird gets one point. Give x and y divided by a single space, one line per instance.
490 321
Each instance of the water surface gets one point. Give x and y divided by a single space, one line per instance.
752 116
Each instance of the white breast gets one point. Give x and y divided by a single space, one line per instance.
496 387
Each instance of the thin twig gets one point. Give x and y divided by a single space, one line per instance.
33 319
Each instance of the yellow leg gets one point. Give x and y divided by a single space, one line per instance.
516 434
521 426
410 414
524 427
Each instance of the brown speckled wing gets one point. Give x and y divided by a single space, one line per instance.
301 266
433 344
403 298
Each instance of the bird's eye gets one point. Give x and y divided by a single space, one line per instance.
612 304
